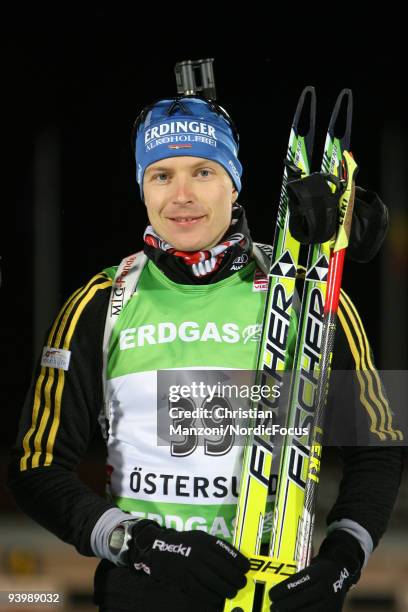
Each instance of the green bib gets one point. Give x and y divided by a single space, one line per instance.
166 326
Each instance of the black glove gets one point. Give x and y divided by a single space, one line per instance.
314 213
323 585
313 206
203 566
369 227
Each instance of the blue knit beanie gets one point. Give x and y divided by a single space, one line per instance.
186 127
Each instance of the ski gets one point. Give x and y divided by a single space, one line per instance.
292 529
272 356
292 525
329 329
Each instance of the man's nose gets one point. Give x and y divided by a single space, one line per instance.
183 192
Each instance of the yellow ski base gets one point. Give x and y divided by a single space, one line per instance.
266 570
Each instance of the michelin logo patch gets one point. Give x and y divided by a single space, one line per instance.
55 358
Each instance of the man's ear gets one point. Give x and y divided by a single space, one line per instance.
234 196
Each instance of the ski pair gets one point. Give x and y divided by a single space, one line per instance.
290 519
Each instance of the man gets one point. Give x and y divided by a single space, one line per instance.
194 297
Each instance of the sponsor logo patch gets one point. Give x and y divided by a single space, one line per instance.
260 282
55 358
233 169
239 262
252 332
180 146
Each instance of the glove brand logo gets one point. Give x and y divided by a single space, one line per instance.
338 585
142 566
226 547
179 549
292 585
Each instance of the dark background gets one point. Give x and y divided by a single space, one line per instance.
72 83
85 86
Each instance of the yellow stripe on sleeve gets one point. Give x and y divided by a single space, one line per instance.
43 395
372 399
39 386
61 373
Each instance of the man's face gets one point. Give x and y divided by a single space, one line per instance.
189 201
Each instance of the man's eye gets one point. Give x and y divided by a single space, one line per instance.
205 171
161 176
